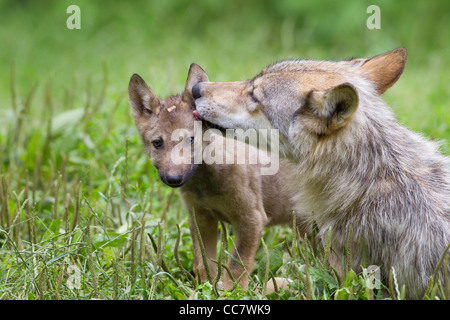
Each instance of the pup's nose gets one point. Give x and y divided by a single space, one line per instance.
196 91
175 180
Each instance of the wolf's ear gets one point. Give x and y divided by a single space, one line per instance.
141 96
327 111
195 75
385 69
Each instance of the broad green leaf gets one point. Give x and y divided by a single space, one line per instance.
275 260
351 279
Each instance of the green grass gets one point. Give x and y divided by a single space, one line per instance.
77 194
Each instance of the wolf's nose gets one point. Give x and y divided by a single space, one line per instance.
196 91
174 180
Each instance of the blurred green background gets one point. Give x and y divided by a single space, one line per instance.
230 39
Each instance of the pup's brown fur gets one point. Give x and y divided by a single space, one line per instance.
358 169
233 193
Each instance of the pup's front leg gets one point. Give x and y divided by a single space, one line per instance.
207 226
248 235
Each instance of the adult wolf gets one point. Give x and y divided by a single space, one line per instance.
231 192
382 189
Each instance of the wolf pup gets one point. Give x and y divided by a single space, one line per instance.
234 193
380 187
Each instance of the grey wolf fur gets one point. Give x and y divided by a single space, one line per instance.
357 167
233 193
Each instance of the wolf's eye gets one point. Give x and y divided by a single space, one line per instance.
252 95
191 140
157 143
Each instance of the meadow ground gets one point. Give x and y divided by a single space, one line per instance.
82 211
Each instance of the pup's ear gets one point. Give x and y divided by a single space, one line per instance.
195 75
385 69
142 97
327 111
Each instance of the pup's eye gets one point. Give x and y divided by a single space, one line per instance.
157 143
191 140
252 95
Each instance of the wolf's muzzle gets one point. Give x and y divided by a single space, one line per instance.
196 91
